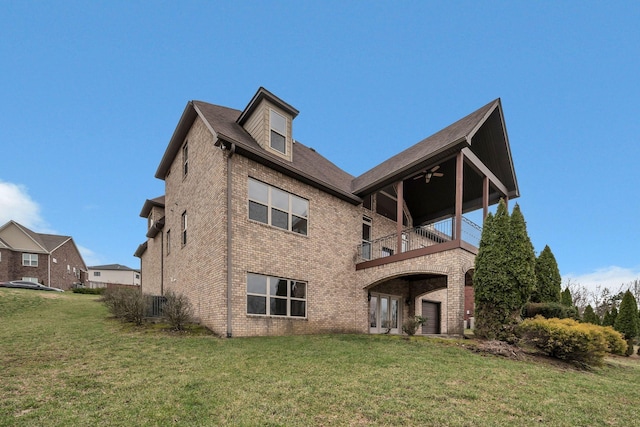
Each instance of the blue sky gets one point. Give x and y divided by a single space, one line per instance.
92 91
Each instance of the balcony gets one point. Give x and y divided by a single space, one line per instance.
421 240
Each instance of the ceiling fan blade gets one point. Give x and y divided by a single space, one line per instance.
438 174
418 177
435 168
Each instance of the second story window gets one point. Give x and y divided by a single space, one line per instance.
168 242
185 159
30 260
96 273
184 228
276 207
278 137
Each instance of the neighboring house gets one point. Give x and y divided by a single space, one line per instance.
43 258
267 237
102 276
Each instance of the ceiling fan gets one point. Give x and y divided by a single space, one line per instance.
428 174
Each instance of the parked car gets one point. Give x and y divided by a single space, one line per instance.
24 284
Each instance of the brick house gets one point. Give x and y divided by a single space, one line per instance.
267 237
43 258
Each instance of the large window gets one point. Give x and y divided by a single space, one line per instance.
275 296
278 124
30 260
276 207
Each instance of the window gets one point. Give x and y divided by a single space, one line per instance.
31 279
185 159
276 207
149 220
275 296
184 228
96 274
366 237
30 260
137 276
278 124
168 242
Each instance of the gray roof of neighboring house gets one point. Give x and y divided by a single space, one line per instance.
149 204
118 267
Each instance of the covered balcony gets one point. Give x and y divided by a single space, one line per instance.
420 196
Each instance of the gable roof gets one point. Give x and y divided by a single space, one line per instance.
48 242
474 132
115 267
436 147
307 165
149 204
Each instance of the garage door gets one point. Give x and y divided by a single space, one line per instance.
431 310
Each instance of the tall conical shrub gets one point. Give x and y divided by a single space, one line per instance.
566 298
548 280
627 320
504 273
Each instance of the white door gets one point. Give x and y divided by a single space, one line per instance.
384 314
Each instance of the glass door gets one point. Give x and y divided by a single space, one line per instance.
384 314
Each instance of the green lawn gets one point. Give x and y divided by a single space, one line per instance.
63 362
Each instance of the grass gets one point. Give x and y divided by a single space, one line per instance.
64 362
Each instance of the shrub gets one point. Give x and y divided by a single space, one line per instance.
411 325
566 339
127 304
629 348
615 341
90 291
549 310
627 319
177 310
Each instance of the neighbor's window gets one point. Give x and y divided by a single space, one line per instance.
275 296
30 260
278 124
184 228
276 207
96 273
185 159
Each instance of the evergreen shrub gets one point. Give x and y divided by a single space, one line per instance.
548 310
566 339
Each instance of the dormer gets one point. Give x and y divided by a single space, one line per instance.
268 119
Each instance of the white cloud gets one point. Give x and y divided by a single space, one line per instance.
17 205
90 257
612 277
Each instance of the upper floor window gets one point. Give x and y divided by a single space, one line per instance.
274 296
185 159
276 207
184 228
30 260
96 273
168 242
278 138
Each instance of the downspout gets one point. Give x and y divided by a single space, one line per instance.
161 264
232 150
49 270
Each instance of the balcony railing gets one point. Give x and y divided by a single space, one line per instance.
418 238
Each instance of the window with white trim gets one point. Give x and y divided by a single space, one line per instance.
168 242
278 135
30 260
275 296
96 273
185 159
184 228
278 208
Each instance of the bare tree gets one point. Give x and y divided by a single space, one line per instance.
579 293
